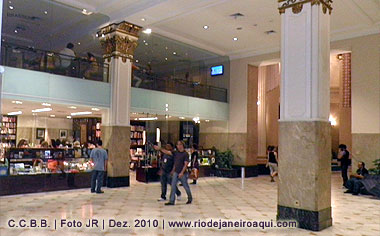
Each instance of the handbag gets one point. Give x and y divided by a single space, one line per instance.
194 174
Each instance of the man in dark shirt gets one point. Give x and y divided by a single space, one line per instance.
354 184
167 162
181 160
344 158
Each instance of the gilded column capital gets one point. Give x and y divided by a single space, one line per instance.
297 5
119 40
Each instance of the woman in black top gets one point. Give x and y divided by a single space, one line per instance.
344 158
272 162
194 162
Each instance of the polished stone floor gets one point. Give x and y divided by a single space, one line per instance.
214 198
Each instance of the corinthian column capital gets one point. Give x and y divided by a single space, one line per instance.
119 40
297 5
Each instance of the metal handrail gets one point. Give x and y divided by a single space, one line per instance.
44 61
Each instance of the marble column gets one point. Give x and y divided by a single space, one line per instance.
119 42
304 188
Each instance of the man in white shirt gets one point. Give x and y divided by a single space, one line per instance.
70 54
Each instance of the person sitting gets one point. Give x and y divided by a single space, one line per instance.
354 184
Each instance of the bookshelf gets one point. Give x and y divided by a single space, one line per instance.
8 130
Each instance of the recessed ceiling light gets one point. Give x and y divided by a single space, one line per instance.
42 110
137 61
181 117
45 12
68 117
235 39
85 12
143 19
207 120
81 113
205 27
95 109
144 41
166 58
174 53
15 113
11 7
146 44
78 43
147 31
17 102
166 105
52 116
73 107
166 48
46 104
16 31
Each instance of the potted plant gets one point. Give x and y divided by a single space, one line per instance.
223 164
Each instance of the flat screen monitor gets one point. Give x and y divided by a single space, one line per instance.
217 70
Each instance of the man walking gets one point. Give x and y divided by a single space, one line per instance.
167 162
99 157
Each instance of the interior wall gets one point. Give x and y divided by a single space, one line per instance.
27 128
272 115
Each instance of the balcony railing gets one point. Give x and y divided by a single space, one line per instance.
52 62
55 63
178 86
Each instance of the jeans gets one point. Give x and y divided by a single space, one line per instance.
97 180
344 174
165 180
183 180
354 185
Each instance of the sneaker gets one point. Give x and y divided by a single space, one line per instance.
100 192
92 191
188 202
179 198
161 199
169 204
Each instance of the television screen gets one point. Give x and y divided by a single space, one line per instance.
217 70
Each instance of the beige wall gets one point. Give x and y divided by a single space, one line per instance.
365 81
27 127
272 115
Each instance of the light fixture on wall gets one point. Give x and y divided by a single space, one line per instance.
15 113
332 120
42 109
339 57
147 31
158 135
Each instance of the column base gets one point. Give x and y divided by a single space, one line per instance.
250 171
115 182
310 220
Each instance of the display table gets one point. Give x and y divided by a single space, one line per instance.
147 174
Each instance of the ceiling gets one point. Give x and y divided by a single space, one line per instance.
58 110
62 111
182 20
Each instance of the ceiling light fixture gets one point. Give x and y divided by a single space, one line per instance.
68 117
17 102
46 12
166 58
137 61
85 12
78 43
11 7
73 107
236 39
42 109
143 19
147 31
15 113
95 109
207 120
81 113
181 117
16 31
205 27
148 118
174 53
52 116
46 104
